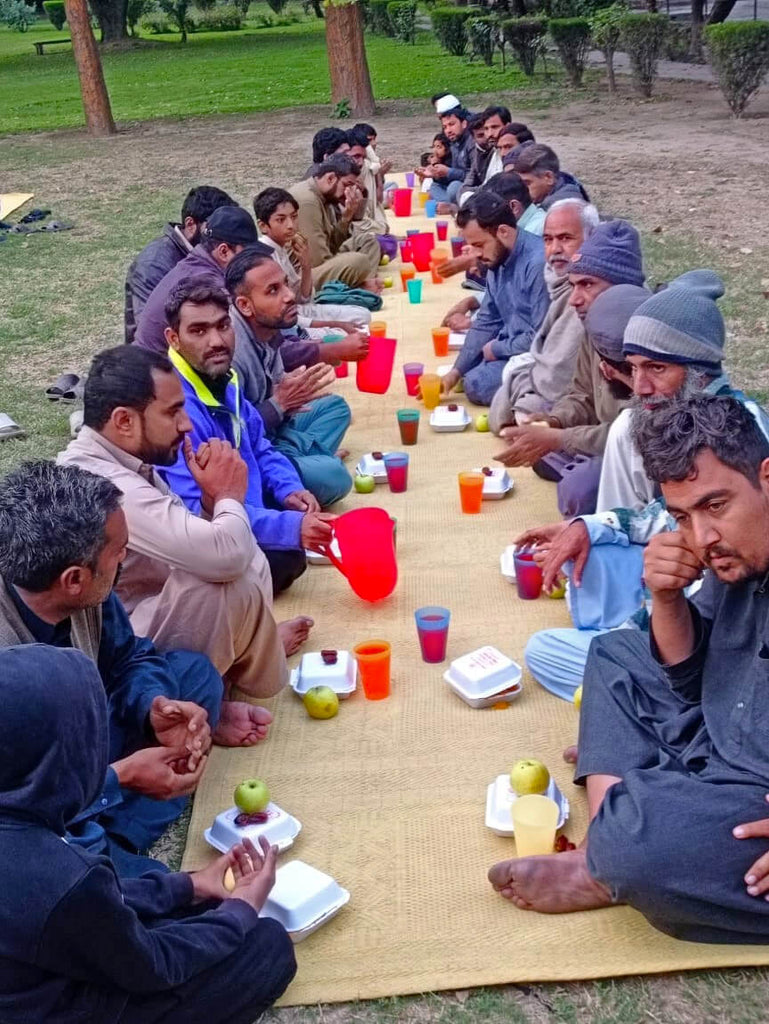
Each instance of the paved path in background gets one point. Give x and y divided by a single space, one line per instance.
665 68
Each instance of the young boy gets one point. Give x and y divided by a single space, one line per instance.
78 945
276 213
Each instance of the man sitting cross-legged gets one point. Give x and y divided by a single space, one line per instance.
63 537
285 517
197 582
673 733
539 167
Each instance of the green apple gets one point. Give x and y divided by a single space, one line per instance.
321 702
557 591
529 776
384 260
252 796
364 484
578 698
482 423
387 282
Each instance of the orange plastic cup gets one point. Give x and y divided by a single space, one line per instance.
408 273
423 199
471 492
437 256
377 329
373 658
441 341
430 386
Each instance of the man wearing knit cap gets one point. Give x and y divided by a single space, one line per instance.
579 421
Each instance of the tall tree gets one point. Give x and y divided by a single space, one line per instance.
112 18
98 113
347 63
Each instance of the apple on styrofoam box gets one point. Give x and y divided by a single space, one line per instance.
484 673
280 829
303 899
496 483
369 466
315 670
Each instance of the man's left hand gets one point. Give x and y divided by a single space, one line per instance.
757 875
528 445
180 723
241 724
302 501
488 352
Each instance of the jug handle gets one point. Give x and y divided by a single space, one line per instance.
333 559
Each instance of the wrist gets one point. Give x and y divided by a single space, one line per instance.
123 769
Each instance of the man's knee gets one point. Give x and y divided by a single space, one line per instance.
269 953
326 477
334 407
480 387
556 664
197 681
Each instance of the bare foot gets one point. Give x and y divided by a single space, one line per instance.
241 724
373 284
343 453
570 755
294 632
558 883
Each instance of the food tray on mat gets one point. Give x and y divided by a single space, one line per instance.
444 420
500 798
280 829
456 340
303 899
369 466
506 696
497 483
507 563
484 672
312 670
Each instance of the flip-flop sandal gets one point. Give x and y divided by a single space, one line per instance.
73 394
23 229
10 428
57 225
62 388
34 215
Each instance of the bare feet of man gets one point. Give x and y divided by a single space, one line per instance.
373 284
241 724
294 633
558 883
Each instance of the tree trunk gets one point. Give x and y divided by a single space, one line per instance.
609 57
347 64
98 114
111 15
519 8
695 46
721 11
316 6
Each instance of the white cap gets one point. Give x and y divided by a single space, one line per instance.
446 103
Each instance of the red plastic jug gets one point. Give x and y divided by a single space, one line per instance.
367 548
375 371
402 202
421 247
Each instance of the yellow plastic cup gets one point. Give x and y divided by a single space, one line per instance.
535 819
423 198
377 329
430 386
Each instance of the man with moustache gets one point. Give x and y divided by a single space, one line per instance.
673 730
284 516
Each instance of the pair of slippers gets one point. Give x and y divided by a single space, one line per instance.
65 389
28 229
10 428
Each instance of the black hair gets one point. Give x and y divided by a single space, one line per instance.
424 160
459 112
476 121
120 376
369 129
537 159
489 210
198 291
501 112
248 258
357 137
268 200
340 165
201 201
521 132
508 185
445 142
325 142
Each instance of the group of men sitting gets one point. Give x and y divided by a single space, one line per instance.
139 569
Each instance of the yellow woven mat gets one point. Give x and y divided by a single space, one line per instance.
391 794
10 201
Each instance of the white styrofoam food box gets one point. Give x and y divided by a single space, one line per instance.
445 420
495 484
303 899
313 671
484 672
500 797
280 829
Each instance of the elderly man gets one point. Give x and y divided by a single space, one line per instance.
515 301
533 382
229 229
62 539
329 202
673 736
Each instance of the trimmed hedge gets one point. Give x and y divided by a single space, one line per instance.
483 36
227 18
377 18
572 37
739 54
526 37
449 24
604 26
403 18
56 13
642 37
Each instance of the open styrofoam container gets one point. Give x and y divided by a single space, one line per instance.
484 672
500 797
497 485
445 420
456 340
369 466
303 899
316 558
313 671
507 563
280 829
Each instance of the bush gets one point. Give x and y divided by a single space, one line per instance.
403 18
526 37
450 27
604 27
483 36
739 55
276 5
157 24
572 37
56 13
678 41
227 18
642 37
378 18
16 14
135 11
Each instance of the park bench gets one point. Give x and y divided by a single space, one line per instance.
48 42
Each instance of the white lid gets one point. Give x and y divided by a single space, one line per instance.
301 895
442 416
369 466
280 829
500 797
498 482
313 671
507 563
485 671
456 339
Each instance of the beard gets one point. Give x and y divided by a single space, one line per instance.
496 261
640 405
619 390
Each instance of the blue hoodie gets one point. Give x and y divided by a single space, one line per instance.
76 942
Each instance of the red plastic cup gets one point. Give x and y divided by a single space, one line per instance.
375 371
405 248
402 202
441 341
412 372
397 469
457 245
433 632
408 273
528 576
422 246
442 230
342 370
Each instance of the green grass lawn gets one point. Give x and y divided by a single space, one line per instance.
218 73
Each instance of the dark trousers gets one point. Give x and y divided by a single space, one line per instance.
235 991
285 567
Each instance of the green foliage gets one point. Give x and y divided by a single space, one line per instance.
572 37
449 25
56 13
605 29
642 37
135 11
574 8
377 18
678 41
403 18
156 23
341 110
739 54
227 18
178 11
526 37
483 36
16 14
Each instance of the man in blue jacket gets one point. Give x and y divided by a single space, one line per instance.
285 517
448 181
516 298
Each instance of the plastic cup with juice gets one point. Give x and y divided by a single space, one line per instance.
430 386
471 492
397 469
408 424
408 273
441 340
412 372
535 820
373 657
433 632
414 288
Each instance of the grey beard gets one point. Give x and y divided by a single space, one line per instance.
694 381
552 280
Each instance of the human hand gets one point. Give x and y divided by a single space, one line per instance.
456 265
180 723
458 323
161 772
353 348
302 501
353 199
757 875
300 247
449 381
439 170
218 470
316 530
527 445
570 544
385 166
253 871
241 724
669 567
303 384
488 352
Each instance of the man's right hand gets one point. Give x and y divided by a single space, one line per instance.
218 470
563 542
160 772
669 567
254 872
316 530
352 348
299 387
449 381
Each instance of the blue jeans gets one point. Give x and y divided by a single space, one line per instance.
446 193
310 440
